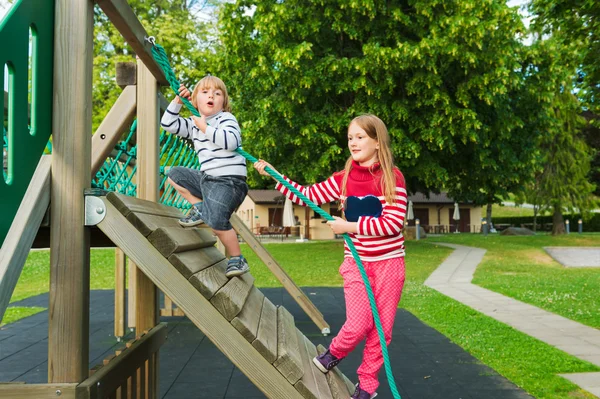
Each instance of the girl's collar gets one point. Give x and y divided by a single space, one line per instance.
373 168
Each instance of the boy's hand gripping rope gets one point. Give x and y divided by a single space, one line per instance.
160 56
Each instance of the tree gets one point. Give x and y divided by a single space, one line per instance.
440 74
185 38
575 23
564 179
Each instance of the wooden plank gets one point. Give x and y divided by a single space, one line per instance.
120 285
266 338
23 230
191 262
210 280
132 277
167 309
247 321
230 299
148 162
110 377
289 362
37 391
68 330
117 121
170 240
199 310
126 204
313 384
299 296
147 223
125 20
341 387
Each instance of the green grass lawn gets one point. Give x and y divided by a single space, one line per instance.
518 267
525 361
500 211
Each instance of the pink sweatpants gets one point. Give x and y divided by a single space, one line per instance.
387 279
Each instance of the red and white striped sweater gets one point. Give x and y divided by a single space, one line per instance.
378 238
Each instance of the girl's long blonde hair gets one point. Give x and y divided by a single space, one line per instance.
211 82
375 129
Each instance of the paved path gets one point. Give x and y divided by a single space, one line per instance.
575 256
426 364
453 279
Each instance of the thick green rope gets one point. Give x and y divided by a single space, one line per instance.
161 58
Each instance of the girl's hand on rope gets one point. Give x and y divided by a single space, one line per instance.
183 93
341 226
260 165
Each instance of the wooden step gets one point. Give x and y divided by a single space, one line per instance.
170 240
289 361
230 299
266 338
191 262
341 387
313 384
211 279
126 204
247 321
146 223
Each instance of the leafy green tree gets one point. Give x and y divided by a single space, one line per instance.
185 37
576 24
563 182
446 77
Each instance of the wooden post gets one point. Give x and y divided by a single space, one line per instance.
120 285
148 164
148 181
68 329
131 293
307 217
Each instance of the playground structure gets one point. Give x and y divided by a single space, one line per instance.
260 339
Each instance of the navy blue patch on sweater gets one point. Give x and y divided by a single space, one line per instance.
366 206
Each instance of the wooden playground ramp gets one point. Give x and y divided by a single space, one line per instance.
258 337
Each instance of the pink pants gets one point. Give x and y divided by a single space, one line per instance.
387 279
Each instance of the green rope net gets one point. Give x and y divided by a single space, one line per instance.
161 58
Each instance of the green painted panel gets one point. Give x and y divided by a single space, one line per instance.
26 138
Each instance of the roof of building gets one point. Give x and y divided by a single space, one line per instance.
275 197
266 196
420 198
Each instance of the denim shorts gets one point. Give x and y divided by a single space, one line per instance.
220 195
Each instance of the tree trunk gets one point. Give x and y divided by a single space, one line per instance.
558 223
535 213
488 214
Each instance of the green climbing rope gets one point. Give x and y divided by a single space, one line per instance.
159 54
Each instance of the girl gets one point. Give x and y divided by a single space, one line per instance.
373 196
219 187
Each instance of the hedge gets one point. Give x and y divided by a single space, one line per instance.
589 225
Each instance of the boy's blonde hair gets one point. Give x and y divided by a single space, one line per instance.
375 129
211 82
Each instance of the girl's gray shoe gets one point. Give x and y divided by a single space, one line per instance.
193 218
236 266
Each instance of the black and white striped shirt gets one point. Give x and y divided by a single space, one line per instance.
215 148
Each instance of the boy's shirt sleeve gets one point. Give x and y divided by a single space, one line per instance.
226 134
175 124
391 220
319 193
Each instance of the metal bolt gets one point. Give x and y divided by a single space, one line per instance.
58 392
99 211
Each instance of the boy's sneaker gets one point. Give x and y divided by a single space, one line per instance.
193 218
236 266
360 394
326 361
